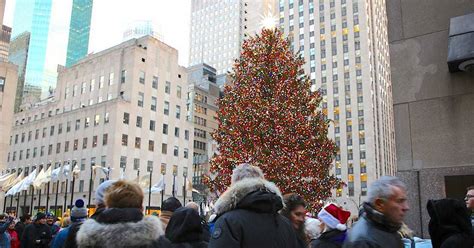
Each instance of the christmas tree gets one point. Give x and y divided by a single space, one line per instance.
269 117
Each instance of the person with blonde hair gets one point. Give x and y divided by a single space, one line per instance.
122 223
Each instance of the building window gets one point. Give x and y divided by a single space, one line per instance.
76 145
141 97
167 87
164 148
35 150
153 103
175 151
106 117
123 75
36 134
104 139
178 91
176 132
186 153
178 111
138 142
124 139
96 120
152 125
44 135
166 108
81 186
92 85
151 145
186 134
139 121
87 122
83 164
94 141
78 124
165 128
66 146
58 148
142 77
123 161
126 118
50 150
111 78
84 143
101 82
154 82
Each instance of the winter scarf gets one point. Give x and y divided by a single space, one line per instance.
116 228
379 219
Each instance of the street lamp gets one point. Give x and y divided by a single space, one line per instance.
175 173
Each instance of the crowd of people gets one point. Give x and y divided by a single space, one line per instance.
252 212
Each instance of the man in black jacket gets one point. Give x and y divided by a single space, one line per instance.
20 226
248 213
383 215
37 234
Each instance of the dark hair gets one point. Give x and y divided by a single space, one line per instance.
171 204
292 201
25 217
470 188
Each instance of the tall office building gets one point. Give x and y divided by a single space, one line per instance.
121 108
79 31
34 17
5 33
219 27
345 46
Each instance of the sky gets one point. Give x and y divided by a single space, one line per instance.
110 18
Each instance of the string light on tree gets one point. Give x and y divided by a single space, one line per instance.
269 117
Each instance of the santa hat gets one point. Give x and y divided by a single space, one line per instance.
334 217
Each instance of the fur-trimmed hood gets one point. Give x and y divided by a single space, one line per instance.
124 234
268 193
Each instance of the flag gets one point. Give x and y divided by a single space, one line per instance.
76 171
7 185
15 189
101 168
28 181
66 169
189 186
40 179
55 174
9 177
144 181
158 187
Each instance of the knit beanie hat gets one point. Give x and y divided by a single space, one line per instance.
78 211
39 216
100 192
334 217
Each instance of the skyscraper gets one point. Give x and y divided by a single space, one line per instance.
218 28
345 46
34 17
79 31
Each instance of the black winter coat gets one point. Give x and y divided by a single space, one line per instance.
36 235
450 224
248 217
185 229
330 239
19 228
373 231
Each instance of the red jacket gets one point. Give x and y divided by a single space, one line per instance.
15 241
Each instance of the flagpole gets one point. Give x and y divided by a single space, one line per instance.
39 199
47 198
32 197
5 203
90 188
24 200
149 190
72 188
56 200
18 204
65 195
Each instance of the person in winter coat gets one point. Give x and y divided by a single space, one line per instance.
295 211
382 216
470 205
51 222
14 239
167 210
184 230
122 223
100 197
20 226
37 234
206 235
334 221
5 222
247 213
67 236
449 225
